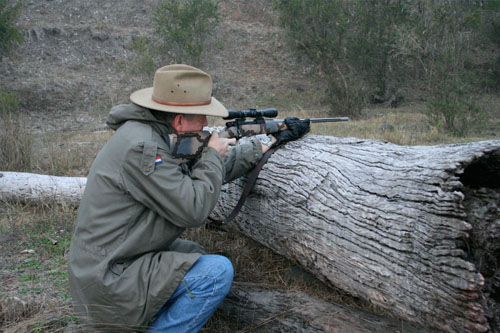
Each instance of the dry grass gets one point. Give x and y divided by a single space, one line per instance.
34 240
67 153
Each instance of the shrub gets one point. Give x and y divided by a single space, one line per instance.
9 34
183 27
144 61
457 115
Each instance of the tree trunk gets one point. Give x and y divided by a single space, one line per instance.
394 225
414 230
261 310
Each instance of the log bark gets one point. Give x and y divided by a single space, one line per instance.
261 310
414 230
29 187
390 224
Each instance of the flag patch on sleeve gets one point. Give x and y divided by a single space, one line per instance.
158 160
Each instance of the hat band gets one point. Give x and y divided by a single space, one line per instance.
180 104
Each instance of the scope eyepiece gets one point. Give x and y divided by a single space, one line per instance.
251 113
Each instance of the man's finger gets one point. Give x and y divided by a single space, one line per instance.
232 142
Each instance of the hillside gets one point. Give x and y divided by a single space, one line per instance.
75 62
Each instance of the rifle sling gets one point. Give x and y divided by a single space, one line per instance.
252 178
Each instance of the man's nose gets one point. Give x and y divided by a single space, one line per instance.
205 121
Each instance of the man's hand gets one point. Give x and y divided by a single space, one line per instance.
296 128
220 144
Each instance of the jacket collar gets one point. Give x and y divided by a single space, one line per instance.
120 114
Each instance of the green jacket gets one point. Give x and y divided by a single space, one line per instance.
125 259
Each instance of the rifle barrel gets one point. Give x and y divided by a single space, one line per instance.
322 120
325 120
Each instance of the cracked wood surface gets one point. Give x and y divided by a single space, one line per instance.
383 222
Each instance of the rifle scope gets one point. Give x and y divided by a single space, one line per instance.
251 113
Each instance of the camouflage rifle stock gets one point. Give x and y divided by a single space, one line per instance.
189 145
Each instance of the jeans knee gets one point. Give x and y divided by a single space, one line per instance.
222 268
228 270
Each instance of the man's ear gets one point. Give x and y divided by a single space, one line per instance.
177 122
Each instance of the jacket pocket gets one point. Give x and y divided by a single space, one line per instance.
119 266
148 157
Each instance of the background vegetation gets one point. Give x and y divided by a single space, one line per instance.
9 34
183 27
384 51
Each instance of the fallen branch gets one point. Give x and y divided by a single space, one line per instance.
262 310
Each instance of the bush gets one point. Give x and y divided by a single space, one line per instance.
144 62
9 34
15 141
183 27
454 114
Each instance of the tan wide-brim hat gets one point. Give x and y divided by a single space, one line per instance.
180 89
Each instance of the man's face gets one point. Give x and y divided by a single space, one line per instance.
190 123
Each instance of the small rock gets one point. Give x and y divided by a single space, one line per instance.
386 128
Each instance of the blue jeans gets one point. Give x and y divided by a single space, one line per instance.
194 301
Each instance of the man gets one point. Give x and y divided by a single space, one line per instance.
127 266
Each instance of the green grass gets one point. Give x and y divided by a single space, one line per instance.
35 242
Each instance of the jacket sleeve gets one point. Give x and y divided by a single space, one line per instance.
241 159
161 186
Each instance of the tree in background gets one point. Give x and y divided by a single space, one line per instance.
352 42
318 31
491 25
372 44
9 34
381 50
183 27
449 40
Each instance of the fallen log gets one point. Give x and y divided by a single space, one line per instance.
262 310
394 225
414 230
29 187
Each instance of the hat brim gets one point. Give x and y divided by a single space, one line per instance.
143 97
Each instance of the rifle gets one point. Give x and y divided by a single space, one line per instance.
189 145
